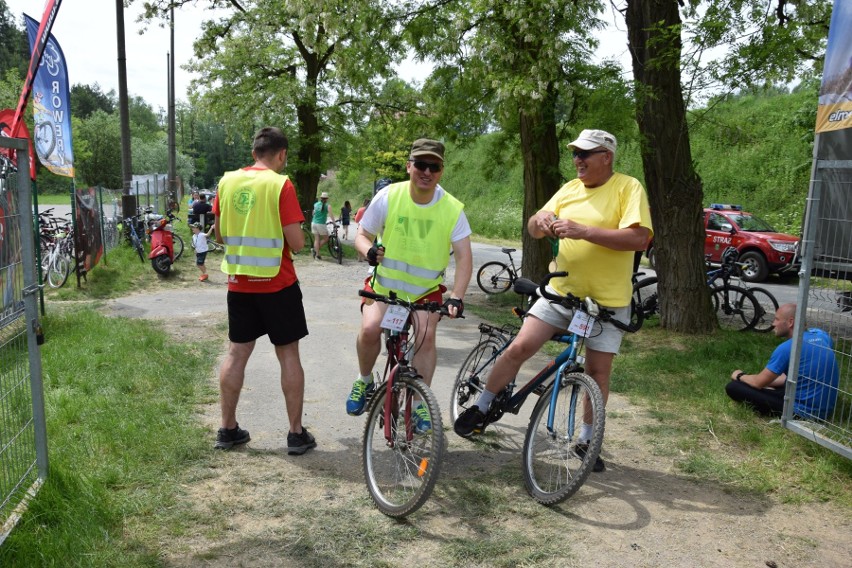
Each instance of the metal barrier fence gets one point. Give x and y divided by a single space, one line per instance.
23 435
825 301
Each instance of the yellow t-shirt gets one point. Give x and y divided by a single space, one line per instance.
593 270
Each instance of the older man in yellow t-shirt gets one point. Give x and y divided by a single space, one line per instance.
600 218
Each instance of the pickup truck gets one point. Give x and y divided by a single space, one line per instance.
762 249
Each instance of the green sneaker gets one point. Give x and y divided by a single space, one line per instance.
357 400
422 420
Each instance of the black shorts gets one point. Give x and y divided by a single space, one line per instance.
200 257
280 315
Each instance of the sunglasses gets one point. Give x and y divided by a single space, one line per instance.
583 154
431 166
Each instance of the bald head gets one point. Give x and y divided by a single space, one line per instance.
785 318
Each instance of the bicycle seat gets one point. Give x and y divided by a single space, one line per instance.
525 287
507 250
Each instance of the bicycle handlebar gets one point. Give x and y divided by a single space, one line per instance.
434 307
587 305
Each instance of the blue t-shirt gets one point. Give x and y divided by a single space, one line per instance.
819 377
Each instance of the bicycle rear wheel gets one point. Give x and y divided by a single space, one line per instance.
494 277
736 308
470 380
137 244
646 299
553 467
401 472
768 307
335 249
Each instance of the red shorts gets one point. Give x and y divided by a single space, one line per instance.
434 296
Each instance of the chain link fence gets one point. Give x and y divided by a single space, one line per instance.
23 435
825 301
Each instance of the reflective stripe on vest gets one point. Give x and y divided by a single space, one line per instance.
254 242
252 260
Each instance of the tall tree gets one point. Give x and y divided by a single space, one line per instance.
674 188
309 66
528 61
763 42
14 49
86 99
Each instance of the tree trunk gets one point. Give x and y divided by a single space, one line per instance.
309 154
674 188
540 150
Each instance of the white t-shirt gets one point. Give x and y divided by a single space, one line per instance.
199 242
374 217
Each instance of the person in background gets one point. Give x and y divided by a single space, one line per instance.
417 222
199 243
601 219
259 220
344 218
819 376
322 213
358 216
201 210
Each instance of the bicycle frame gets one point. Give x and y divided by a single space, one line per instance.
396 360
569 358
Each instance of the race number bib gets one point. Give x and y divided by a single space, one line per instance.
394 319
581 324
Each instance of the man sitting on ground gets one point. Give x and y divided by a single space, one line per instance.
816 386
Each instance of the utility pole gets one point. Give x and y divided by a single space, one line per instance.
173 189
128 201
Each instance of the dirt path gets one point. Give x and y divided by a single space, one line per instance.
260 507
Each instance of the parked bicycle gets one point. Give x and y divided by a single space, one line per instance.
553 467
732 272
737 307
56 262
495 277
401 464
334 246
133 237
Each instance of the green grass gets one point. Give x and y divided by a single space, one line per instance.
120 399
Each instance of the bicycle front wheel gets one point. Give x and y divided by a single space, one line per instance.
401 468
736 308
470 380
177 243
554 468
768 306
58 271
494 277
334 249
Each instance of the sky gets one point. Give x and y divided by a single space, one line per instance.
88 40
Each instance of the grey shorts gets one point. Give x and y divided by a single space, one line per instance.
605 336
319 229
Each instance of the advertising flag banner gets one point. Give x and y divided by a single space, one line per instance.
835 93
51 106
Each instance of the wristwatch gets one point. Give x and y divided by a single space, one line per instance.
739 376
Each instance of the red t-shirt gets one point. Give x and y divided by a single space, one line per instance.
289 212
359 214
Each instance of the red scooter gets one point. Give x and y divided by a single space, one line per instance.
162 246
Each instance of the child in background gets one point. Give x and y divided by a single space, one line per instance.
199 243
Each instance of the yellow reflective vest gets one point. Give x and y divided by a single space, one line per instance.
417 243
250 222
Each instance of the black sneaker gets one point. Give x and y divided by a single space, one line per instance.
227 439
298 444
469 422
581 450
